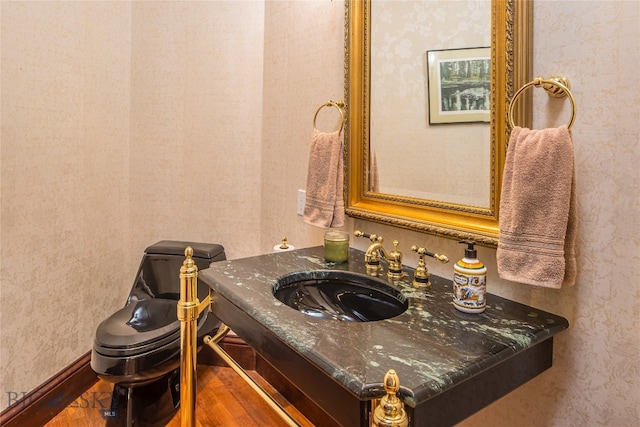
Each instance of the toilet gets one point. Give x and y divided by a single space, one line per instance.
137 348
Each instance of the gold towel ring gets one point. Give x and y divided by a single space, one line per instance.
556 86
339 105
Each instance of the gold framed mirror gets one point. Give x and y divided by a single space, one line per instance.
442 214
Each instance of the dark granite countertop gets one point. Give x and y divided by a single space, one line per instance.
431 346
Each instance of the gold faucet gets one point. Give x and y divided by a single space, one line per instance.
421 275
376 251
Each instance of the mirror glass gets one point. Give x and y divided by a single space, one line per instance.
400 125
427 89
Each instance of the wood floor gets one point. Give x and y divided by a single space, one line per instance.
223 399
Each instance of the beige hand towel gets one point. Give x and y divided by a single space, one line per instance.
538 209
324 205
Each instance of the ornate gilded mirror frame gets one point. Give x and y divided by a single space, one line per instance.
511 51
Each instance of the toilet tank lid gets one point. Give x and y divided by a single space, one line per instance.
175 247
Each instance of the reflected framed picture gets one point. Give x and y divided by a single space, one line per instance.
459 83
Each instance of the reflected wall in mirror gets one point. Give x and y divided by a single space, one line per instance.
402 169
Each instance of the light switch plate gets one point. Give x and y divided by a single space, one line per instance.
302 196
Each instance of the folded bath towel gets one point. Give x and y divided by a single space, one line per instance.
324 205
538 209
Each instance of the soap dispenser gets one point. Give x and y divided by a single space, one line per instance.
469 281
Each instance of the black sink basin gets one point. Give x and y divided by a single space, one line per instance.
340 295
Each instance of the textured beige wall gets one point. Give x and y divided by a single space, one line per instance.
595 379
123 123
303 69
196 121
65 188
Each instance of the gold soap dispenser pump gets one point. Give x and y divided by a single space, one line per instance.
469 281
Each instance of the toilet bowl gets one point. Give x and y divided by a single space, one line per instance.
137 348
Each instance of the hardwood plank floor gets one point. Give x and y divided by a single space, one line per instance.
223 399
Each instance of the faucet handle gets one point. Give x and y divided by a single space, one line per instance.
421 275
422 252
373 237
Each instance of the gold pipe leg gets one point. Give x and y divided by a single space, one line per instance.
188 376
188 310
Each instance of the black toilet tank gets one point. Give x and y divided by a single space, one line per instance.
158 275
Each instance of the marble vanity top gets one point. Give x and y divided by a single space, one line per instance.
431 346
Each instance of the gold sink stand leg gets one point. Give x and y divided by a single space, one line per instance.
390 411
189 308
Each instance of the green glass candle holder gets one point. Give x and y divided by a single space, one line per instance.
336 246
